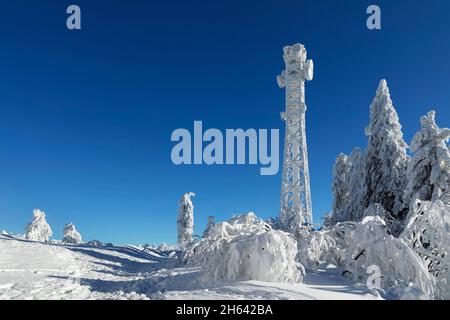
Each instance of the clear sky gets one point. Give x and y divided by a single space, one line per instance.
86 116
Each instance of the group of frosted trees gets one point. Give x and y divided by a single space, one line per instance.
385 174
39 230
409 196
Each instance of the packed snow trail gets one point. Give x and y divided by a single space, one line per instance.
32 270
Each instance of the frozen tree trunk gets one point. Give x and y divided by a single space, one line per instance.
71 235
386 159
429 169
185 223
38 229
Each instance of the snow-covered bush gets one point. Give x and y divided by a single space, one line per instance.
316 248
429 168
38 229
428 232
95 243
385 157
399 264
246 248
71 235
185 222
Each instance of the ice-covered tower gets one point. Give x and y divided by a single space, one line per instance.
295 188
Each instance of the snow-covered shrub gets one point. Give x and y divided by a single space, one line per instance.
428 232
398 263
185 222
394 226
246 248
385 156
71 235
429 168
95 243
316 248
38 229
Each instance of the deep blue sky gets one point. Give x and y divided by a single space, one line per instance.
86 116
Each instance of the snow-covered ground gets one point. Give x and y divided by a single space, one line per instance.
32 270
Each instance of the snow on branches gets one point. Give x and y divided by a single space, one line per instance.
385 159
429 168
38 229
246 248
428 233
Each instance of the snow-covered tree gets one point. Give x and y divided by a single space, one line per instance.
185 223
246 248
429 168
385 159
38 229
71 235
356 185
209 226
341 192
428 234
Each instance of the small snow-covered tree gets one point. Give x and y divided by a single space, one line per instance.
341 174
38 229
385 159
185 223
429 168
209 226
354 206
71 235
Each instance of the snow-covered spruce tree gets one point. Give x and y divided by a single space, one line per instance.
71 235
385 157
429 168
185 223
341 174
38 229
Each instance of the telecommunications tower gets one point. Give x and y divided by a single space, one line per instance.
296 208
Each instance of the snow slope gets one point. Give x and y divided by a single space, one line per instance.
31 270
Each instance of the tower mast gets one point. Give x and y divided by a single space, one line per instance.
296 207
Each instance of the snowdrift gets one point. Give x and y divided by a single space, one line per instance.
246 248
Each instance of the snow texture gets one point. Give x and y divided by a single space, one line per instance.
71 235
246 248
185 223
38 229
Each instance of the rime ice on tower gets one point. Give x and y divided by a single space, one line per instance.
296 207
